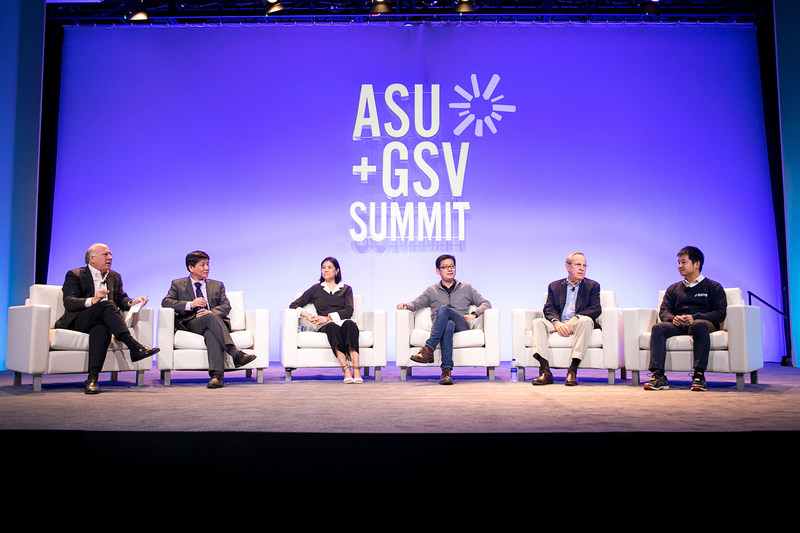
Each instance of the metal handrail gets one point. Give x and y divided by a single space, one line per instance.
786 360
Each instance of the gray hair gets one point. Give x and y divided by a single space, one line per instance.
92 251
573 254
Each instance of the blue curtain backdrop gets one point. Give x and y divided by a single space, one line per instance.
510 146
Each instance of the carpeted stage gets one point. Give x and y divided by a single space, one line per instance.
316 432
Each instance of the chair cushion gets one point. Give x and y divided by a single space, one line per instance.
186 340
317 339
683 343
67 339
557 341
237 315
471 338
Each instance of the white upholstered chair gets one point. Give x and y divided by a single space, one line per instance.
34 347
605 350
310 349
184 350
478 346
735 349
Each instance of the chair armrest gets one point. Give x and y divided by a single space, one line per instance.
745 348
290 319
375 321
521 320
613 340
404 324
257 323
166 337
635 320
143 322
28 340
491 331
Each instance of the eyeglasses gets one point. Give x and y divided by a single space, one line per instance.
447 267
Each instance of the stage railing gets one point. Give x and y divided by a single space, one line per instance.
786 360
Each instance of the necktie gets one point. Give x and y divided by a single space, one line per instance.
198 292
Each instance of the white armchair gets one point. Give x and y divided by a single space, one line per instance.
605 350
35 347
310 349
184 350
478 346
735 349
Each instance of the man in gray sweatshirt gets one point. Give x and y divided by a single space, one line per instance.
449 301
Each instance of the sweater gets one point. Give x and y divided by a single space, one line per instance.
704 301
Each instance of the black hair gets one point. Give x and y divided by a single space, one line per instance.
335 264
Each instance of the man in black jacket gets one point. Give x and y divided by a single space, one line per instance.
695 306
93 298
572 309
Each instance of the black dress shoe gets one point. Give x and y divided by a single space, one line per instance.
143 352
90 386
572 379
241 359
216 383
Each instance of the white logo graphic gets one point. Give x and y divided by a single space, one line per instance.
489 109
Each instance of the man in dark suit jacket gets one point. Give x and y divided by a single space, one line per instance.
202 307
93 298
572 309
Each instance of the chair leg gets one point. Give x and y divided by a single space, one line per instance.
740 382
260 375
622 373
404 373
754 377
377 373
490 373
610 376
248 373
37 383
165 375
288 375
114 377
635 377
140 378
521 374
17 379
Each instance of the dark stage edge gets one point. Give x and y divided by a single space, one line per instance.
314 464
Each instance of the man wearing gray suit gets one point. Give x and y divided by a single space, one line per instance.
201 307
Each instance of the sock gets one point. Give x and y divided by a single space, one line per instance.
573 366
543 364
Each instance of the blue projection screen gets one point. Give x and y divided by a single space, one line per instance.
509 146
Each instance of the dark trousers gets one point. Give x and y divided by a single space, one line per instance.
217 337
100 321
342 338
700 330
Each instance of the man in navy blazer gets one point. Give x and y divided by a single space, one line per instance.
93 301
572 309
202 307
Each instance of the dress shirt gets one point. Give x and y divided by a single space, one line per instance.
569 304
695 282
202 283
99 281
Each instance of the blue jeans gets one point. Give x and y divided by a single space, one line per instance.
447 322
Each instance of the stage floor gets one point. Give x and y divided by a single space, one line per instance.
316 435
316 401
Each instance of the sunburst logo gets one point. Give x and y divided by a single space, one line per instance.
480 108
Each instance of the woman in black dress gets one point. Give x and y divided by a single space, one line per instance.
333 301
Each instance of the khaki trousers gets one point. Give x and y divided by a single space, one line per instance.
581 333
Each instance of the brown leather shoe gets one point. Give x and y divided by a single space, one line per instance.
425 355
446 379
215 383
572 379
545 378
